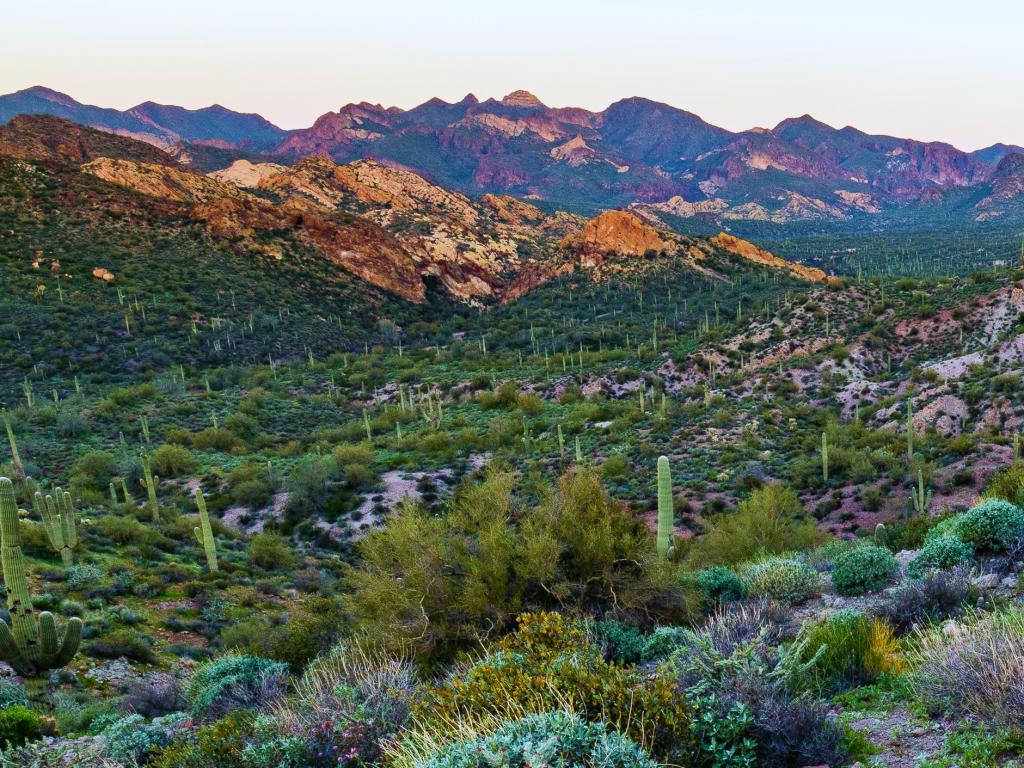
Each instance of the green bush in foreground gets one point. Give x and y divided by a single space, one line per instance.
992 526
555 738
940 554
784 579
19 724
867 568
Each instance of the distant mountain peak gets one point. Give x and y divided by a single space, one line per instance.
521 99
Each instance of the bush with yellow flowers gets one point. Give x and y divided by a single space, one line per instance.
549 664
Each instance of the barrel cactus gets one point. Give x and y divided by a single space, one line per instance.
31 644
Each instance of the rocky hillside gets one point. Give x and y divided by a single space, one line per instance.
668 161
386 225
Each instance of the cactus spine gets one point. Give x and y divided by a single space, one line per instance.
666 511
30 644
60 521
19 470
204 532
154 506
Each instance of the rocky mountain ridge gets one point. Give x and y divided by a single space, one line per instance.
635 152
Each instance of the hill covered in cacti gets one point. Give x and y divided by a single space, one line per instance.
643 497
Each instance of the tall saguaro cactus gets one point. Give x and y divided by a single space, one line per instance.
824 457
204 532
31 644
19 470
666 511
154 505
60 521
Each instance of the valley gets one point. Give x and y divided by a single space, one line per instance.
379 456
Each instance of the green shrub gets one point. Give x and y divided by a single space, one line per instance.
991 526
663 641
1008 484
867 568
849 649
787 580
233 682
552 738
12 693
19 724
129 739
622 643
940 553
719 584
172 461
766 523
271 551
548 664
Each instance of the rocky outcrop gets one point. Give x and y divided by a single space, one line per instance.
620 233
753 253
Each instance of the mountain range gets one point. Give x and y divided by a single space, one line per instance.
671 167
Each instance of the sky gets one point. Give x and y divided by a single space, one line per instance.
950 71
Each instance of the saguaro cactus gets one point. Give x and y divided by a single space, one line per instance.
19 470
824 457
30 644
204 532
60 521
154 506
666 510
920 497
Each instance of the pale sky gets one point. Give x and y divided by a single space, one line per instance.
950 71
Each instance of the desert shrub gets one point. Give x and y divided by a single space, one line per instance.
12 693
550 738
849 648
786 728
122 642
233 682
311 485
19 724
221 743
172 461
784 579
271 551
302 635
736 658
935 595
940 553
767 522
153 697
975 668
130 739
93 469
867 568
662 642
577 548
622 642
719 584
215 439
347 704
549 663
991 526
1007 484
